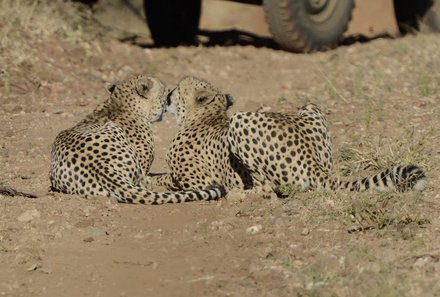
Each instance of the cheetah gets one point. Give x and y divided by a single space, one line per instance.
110 151
199 154
295 149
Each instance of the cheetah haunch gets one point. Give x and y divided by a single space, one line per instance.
110 151
295 149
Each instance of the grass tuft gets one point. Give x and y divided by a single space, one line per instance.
375 155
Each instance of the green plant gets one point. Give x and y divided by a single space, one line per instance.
289 191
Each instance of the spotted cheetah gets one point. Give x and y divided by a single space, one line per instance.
295 149
110 151
199 154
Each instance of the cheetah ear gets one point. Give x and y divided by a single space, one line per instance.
143 86
202 96
110 87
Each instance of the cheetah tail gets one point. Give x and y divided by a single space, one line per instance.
397 178
139 195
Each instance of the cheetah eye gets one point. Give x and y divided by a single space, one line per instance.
202 99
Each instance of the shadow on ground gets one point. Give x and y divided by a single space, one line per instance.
235 37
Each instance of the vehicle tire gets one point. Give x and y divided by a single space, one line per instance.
308 25
173 22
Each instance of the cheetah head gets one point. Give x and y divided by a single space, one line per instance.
140 95
193 95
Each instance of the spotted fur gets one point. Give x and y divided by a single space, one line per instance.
110 151
295 149
199 154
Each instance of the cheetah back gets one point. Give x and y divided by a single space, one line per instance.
283 148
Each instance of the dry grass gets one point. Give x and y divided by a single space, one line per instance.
24 22
27 23
368 210
371 153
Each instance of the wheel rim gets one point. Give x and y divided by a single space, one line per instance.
320 10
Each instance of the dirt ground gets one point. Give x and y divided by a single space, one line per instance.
381 98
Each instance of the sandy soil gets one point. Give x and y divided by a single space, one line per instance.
381 99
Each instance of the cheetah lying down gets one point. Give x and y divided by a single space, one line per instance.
199 154
258 149
111 150
295 149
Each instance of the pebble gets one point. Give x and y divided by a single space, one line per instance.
28 215
254 229
305 231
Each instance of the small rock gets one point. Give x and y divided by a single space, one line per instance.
34 267
40 268
28 215
305 231
314 285
254 229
